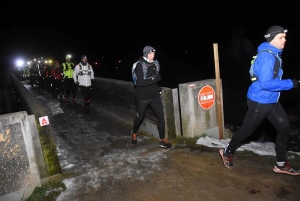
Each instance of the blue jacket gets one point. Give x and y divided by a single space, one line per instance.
266 90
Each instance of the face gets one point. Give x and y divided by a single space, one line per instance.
151 56
279 41
84 60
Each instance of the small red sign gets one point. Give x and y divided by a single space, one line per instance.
206 97
44 121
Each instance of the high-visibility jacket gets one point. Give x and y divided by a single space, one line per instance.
68 69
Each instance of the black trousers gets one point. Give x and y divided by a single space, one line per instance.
157 108
70 86
59 87
255 115
87 93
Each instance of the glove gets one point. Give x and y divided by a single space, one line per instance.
92 81
76 83
158 77
65 77
159 90
295 83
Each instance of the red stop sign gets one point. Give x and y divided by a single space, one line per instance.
206 97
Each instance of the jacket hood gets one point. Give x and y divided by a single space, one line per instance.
268 46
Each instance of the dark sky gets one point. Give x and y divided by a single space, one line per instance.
53 29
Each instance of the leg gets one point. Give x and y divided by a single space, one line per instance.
157 108
280 121
250 123
74 89
141 107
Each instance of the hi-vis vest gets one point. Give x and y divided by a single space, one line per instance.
68 69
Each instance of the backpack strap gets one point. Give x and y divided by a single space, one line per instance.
145 69
80 67
276 68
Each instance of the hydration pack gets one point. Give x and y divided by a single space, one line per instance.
145 66
276 68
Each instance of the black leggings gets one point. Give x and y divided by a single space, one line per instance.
276 115
157 108
87 93
70 86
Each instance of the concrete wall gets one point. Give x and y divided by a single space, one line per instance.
47 161
197 121
19 174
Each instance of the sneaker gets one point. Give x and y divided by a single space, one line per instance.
227 160
164 143
285 169
133 137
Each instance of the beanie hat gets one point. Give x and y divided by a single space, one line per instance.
82 56
147 50
273 31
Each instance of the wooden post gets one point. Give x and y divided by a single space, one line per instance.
219 101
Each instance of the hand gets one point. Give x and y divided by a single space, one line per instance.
65 77
76 83
295 83
92 81
158 76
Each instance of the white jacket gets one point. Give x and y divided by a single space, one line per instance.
83 74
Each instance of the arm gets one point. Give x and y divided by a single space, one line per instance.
92 73
75 73
140 77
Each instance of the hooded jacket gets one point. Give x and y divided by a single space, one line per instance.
266 90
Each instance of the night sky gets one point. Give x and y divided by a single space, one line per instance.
116 30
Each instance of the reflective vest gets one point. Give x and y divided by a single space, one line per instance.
68 69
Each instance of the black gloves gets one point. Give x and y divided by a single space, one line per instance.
92 81
158 77
295 83
76 83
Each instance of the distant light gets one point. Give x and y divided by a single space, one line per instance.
19 62
96 63
186 52
119 61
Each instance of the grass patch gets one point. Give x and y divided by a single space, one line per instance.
47 192
183 142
